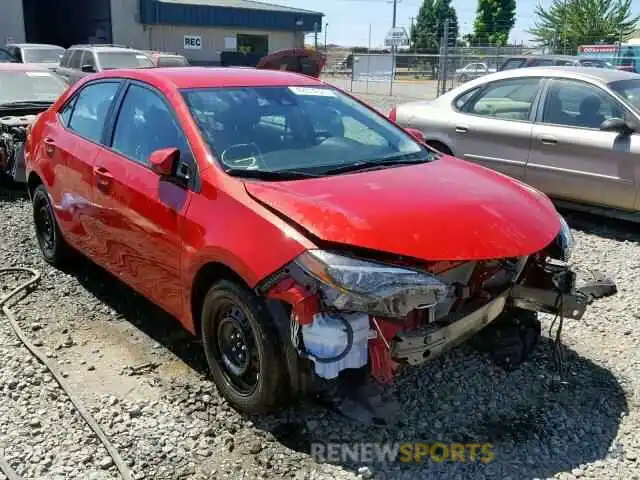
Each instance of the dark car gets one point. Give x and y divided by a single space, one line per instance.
294 60
525 61
82 60
41 54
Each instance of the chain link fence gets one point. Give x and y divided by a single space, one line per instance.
414 76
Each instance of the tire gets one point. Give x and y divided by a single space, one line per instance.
54 248
233 317
440 147
463 79
511 339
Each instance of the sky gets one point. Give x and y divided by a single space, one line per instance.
349 20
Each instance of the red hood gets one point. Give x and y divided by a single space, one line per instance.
444 210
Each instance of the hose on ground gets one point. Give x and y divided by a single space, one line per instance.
84 413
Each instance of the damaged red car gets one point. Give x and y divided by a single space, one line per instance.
309 241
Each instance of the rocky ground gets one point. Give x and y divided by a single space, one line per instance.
145 381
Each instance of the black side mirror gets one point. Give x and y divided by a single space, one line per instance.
622 126
88 69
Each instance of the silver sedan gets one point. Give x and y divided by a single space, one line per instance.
571 132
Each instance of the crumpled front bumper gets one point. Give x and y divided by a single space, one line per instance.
417 346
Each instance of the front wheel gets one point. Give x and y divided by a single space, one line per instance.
242 348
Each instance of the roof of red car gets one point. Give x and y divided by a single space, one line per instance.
203 77
20 67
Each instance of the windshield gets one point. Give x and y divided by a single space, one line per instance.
629 90
42 55
112 60
310 129
33 86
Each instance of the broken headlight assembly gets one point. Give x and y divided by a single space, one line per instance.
357 285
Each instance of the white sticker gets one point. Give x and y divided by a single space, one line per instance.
38 74
315 92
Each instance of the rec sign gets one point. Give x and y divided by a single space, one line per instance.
192 42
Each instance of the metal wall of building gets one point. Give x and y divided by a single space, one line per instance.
11 22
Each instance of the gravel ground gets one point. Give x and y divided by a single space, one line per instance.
145 380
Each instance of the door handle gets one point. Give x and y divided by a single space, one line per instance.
49 146
103 178
460 129
549 140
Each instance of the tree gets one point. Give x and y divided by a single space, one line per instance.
567 24
494 21
428 30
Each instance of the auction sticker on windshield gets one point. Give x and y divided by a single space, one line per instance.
315 92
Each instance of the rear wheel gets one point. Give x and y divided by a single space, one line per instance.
53 246
440 147
511 339
242 348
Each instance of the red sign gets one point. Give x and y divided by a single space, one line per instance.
598 48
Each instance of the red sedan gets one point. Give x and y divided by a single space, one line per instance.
302 234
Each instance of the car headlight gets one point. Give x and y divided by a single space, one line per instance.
565 239
352 284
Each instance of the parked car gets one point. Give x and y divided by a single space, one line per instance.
472 71
525 61
301 233
27 90
36 54
166 59
298 60
572 133
82 60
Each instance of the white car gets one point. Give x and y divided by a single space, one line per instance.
473 71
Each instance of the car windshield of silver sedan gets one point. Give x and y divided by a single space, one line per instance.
113 60
298 131
36 86
42 55
629 90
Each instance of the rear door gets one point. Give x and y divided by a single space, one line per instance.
571 158
139 216
71 142
494 127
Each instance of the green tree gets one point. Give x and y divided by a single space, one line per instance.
567 24
494 21
428 31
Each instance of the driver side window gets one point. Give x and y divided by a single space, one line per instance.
145 124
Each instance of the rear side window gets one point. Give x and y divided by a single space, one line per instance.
541 62
91 109
507 99
75 60
88 59
65 58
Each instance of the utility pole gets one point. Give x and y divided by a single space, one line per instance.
445 59
393 46
326 28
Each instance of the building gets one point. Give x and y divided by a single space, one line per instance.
199 29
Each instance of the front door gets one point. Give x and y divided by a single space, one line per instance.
494 127
572 159
141 215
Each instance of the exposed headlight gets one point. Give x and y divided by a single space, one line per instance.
565 238
357 285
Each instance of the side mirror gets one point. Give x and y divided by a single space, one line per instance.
618 125
416 134
88 69
164 161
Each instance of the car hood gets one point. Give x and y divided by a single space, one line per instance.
443 210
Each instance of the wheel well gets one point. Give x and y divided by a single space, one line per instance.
33 181
206 276
441 147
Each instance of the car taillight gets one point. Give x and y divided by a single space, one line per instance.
393 114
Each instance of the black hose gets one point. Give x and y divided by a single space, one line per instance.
88 418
